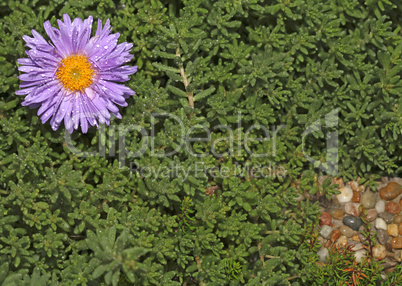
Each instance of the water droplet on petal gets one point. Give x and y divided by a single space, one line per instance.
105 47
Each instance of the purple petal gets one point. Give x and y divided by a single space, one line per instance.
54 35
67 21
45 48
84 124
46 105
65 108
117 114
65 33
128 70
85 34
25 91
113 77
115 96
35 76
34 69
42 94
75 113
102 111
38 37
35 82
89 109
44 59
45 117
113 108
118 88
26 62
103 47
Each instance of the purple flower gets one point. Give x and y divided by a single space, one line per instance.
74 77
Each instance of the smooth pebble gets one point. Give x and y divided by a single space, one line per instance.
393 208
382 236
398 219
371 215
326 231
379 251
346 195
380 206
342 242
396 242
380 224
346 231
360 254
390 191
387 217
393 230
369 199
353 222
323 254
352 209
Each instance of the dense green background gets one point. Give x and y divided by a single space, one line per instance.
85 220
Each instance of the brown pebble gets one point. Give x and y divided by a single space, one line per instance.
396 243
400 228
337 181
398 219
392 229
325 219
346 231
388 247
342 242
335 235
379 251
352 209
393 208
356 197
328 244
337 213
356 238
390 191
354 185
371 215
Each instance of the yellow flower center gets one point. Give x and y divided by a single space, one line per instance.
75 72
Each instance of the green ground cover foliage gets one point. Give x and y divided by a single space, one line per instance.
99 220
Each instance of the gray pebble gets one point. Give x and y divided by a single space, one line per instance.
326 231
369 199
362 238
353 222
382 236
323 253
389 218
388 264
